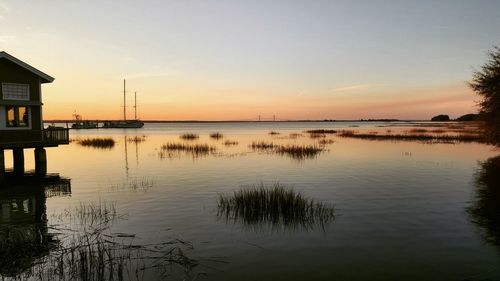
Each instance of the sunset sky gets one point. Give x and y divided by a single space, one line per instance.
236 60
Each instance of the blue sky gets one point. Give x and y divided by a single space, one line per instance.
238 59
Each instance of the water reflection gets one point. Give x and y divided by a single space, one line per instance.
24 236
485 211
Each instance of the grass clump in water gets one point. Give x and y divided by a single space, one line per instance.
277 206
216 135
137 139
326 141
103 143
230 142
321 131
299 151
423 137
274 133
262 145
189 136
196 150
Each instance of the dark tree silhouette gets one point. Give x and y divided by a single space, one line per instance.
486 83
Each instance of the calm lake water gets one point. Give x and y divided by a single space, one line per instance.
403 210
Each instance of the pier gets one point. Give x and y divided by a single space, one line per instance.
52 137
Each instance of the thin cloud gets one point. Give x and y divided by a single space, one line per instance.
356 88
7 38
148 74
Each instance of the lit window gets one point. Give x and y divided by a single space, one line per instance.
17 116
13 91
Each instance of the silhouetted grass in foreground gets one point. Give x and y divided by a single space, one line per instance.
103 143
276 206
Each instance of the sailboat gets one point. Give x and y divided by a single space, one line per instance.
136 123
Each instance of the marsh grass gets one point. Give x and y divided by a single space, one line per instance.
100 255
262 145
298 152
93 251
136 184
276 206
216 135
421 137
317 136
321 131
295 135
274 133
189 136
136 139
231 142
91 214
101 143
170 150
326 141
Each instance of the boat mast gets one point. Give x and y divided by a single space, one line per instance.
135 105
124 103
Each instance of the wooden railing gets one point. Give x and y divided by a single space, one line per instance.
56 135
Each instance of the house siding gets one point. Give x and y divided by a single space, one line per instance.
12 73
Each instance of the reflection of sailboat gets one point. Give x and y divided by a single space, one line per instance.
24 235
136 123
485 211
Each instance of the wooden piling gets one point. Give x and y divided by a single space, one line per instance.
2 165
18 154
40 162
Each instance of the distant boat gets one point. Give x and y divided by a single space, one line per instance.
82 124
136 123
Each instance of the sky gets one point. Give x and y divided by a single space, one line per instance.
236 60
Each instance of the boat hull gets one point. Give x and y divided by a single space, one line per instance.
124 124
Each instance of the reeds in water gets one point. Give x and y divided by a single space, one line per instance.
189 136
216 135
321 131
97 255
262 145
425 138
276 206
298 152
195 150
274 133
230 142
102 143
137 139
326 141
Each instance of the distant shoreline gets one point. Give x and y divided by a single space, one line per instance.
243 121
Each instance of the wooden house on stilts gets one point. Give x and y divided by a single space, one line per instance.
21 123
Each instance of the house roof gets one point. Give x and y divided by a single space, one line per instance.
45 77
